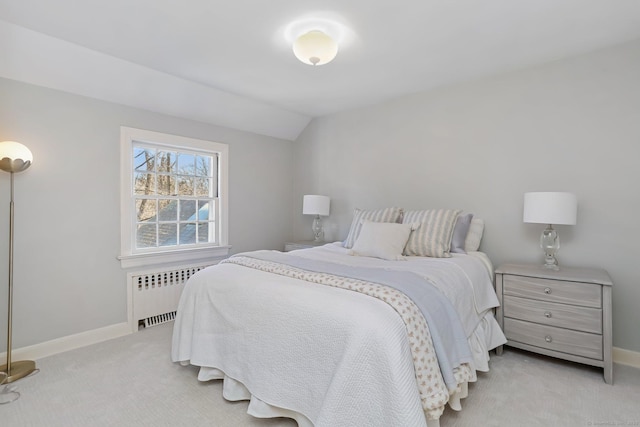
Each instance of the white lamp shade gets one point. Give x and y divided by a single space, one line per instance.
315 48
315 205
550 208
14 157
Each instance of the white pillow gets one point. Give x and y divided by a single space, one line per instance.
474 236
384 240
378 215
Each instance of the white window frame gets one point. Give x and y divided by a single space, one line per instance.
132 258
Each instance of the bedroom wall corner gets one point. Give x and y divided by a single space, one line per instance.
569 125
67 237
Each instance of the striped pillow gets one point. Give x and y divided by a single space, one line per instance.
379 215
433 237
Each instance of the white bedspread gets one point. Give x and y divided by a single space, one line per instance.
464 279
339 358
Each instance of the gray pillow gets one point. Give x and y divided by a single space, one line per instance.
460 231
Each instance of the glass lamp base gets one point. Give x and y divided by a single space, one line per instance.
318 232
550 243
551 264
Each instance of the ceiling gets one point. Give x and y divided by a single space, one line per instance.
236 52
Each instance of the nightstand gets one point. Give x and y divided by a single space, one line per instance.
564 314
303 244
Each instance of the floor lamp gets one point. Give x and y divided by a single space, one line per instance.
14 157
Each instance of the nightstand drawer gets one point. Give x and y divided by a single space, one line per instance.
563 340
584 294
554 314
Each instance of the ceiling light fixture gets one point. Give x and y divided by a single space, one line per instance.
315 48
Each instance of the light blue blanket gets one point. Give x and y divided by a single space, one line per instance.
448 336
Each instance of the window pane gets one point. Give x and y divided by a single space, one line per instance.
146 236
144 183
204 213
185 186
143 159
146 210
167 161
166 185
167 234
202 186
167 210
186 164
187 210
203 232
203 166
187 233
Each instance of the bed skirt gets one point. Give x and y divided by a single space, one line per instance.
486 337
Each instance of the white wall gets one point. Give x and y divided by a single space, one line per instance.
571 125
67 278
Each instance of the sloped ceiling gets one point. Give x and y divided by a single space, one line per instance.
230 63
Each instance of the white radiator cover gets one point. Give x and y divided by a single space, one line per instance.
155 294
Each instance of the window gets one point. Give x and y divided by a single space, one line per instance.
173 198
175 195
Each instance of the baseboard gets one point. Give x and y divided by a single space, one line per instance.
626 357
70 342
60 345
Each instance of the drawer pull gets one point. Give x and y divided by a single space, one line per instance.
547 314
547 290
548 338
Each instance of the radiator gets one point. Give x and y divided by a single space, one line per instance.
156 295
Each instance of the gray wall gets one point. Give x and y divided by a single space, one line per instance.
67 278
571 125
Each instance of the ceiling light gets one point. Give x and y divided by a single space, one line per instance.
315 48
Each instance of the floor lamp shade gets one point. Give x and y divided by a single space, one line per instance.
316 205
14 157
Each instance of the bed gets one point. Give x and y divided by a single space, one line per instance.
329 336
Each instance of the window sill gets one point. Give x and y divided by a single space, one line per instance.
195 255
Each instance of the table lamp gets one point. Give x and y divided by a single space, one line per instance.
550 208
316 205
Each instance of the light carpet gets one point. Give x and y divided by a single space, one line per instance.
130 381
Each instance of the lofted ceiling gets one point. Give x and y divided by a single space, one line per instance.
230 62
